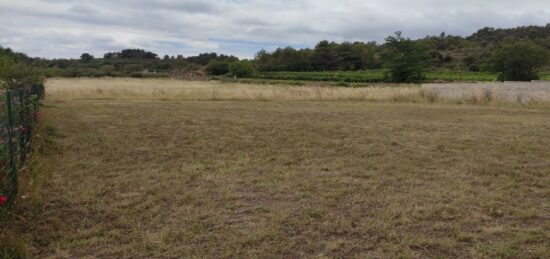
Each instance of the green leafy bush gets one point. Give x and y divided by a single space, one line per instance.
241 69
15 74
107 70
518 61
133 68
217 68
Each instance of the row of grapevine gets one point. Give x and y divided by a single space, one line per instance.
375 76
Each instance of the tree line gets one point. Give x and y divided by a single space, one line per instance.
515 54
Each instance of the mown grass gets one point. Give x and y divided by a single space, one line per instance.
373 76
147 178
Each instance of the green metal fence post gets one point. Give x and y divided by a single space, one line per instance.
22 127
21 104
11 170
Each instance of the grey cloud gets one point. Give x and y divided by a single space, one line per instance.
65 28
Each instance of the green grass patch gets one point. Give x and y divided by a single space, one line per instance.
545 76
374 76
330 76
458 76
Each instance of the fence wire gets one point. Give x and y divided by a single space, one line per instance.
17 121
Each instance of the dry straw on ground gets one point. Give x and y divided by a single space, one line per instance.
287 178
519 92
167 89
291 179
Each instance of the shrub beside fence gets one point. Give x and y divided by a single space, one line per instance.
18 118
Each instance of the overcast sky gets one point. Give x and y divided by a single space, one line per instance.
67 28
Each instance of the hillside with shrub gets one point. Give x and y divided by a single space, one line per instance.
486 55
479 52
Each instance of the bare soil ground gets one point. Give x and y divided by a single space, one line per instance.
291 179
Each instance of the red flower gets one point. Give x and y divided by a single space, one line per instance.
3 199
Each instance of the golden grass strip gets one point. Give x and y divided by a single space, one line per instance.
522 94
167 89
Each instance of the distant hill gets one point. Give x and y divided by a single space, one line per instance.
444 52
489 34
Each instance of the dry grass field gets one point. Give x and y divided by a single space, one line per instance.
518 92
196 172
530 94
168 89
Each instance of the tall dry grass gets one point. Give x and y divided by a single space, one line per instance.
492 93
168 89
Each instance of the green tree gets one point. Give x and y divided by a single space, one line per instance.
86 58
348 57
241 69
324 57
405 60
217 68
368 55
518 61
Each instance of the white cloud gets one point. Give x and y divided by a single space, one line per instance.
66 28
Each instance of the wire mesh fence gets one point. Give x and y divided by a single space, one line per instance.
17 121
